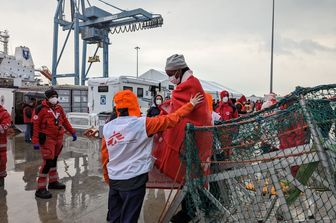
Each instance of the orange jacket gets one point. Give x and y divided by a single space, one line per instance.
153 125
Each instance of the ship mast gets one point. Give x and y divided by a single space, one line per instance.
4 37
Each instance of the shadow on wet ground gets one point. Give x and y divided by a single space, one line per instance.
79 168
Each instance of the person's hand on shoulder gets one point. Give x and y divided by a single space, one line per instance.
196 99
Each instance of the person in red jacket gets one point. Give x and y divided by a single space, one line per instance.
169 148
293 131
258 105
27 118
226 109
49 121
5 122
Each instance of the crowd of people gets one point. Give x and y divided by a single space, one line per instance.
132 144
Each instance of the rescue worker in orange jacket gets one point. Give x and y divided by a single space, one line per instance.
28 111
5 122
126 153
49 121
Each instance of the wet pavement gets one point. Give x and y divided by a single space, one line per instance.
79 168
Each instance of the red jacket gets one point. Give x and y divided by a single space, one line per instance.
5 122
258 105
226 111
294 133
168 150
28 114
50 120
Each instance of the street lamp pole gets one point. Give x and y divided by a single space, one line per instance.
137 61
272 46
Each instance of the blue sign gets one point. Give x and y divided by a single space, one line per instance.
103 99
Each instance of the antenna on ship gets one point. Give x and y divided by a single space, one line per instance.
94 25
4 38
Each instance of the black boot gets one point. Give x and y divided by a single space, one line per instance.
43 193
56 185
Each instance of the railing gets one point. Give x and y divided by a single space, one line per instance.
276 165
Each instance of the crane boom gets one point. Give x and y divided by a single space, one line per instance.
94 25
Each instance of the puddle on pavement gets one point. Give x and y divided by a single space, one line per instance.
85 197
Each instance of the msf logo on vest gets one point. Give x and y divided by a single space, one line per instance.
116 137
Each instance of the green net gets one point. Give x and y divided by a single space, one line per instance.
275 165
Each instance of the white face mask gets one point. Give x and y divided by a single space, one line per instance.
174 80
225 99
53 100
158 102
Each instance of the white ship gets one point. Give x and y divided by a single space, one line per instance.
16 70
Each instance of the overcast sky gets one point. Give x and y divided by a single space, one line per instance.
227 41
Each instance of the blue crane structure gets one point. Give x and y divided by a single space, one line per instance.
94 25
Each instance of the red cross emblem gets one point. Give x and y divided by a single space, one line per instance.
115 138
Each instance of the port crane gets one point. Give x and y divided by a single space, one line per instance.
93 25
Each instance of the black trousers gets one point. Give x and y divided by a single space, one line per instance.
125 206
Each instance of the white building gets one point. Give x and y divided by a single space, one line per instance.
209 86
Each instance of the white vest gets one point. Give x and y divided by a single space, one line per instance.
129 147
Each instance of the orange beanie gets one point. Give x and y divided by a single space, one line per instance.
127 99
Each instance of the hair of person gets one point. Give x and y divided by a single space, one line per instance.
123 112
185 70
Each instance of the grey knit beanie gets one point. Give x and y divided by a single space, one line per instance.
175 62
